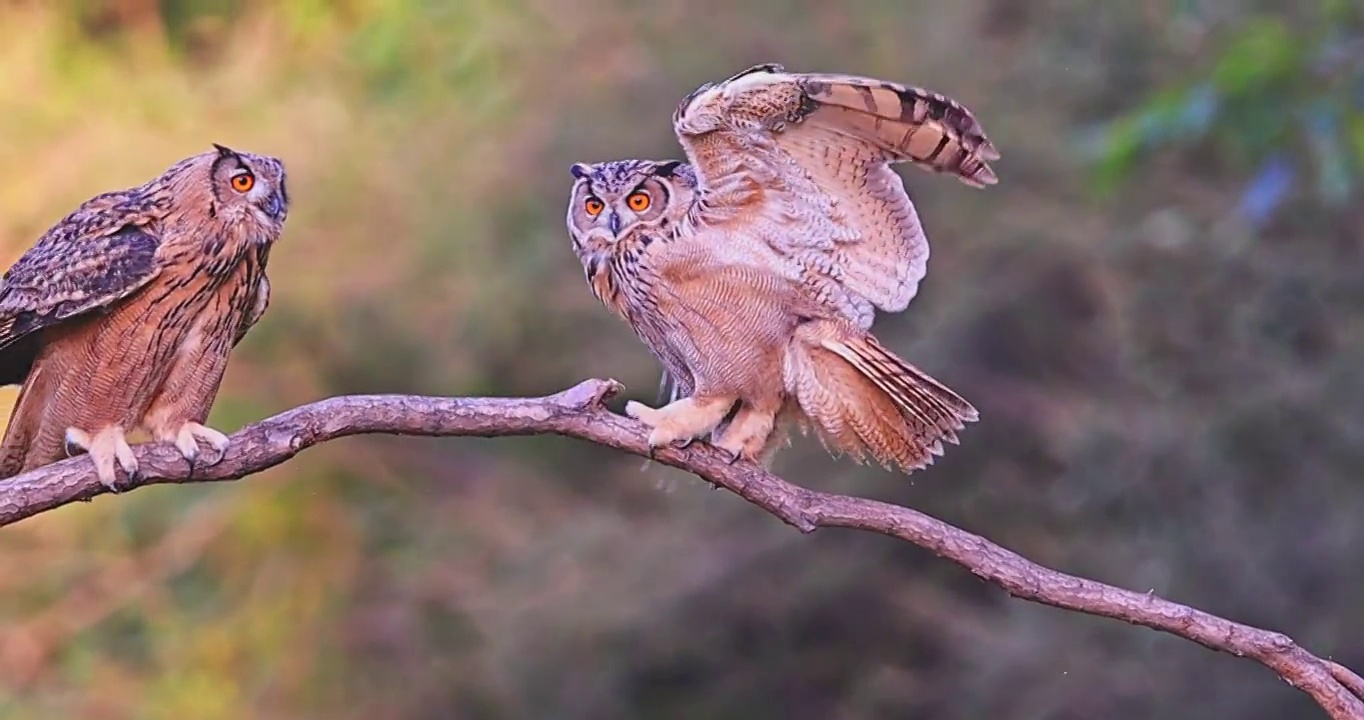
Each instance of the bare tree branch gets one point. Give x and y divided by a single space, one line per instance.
1347 677
581 412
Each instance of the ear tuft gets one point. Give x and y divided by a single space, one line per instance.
666 168
579 170
224 151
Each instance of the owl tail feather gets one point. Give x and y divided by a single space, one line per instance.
910 124
864 401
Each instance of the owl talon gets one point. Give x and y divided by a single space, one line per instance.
642 413
188 447
747 435
659 438
187 440
123 454
76 442
679 423
106 449
730 457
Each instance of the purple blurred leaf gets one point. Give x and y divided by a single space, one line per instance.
1266 190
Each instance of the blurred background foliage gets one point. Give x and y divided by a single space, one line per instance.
1157 312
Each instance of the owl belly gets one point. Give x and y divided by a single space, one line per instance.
158 354
718 349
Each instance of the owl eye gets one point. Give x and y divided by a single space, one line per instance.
243 182
639 202
594 206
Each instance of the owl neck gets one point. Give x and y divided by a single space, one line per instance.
617 273
217 249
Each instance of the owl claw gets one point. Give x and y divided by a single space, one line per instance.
187 440
679 423
730 457
641 412
76 442
106 449
658 440
747 435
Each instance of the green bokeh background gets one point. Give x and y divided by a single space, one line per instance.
1157 311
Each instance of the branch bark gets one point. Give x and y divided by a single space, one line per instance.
581 412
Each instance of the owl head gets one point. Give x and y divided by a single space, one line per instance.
236 190
612 200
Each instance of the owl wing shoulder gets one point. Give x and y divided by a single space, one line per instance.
260 301
256 298
95 257
800 164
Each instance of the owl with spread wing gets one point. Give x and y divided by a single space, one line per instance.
122 316
753 270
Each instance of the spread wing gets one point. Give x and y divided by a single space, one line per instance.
70 273
795 170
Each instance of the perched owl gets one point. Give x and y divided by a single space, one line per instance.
123 315
754 269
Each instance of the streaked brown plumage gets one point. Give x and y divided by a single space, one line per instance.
754 271
123 315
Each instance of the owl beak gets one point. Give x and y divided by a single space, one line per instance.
274 206
613 222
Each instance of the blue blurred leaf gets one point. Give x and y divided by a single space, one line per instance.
1170 116
1200 108
1267 190
1322 120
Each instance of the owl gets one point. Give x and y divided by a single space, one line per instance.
754 269
122 316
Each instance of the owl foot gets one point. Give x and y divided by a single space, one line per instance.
678 423
106 448
188 437
649 416
747 435
730 456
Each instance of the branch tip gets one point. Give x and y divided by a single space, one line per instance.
588 394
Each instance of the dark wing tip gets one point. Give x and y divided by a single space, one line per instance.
769 68
686 101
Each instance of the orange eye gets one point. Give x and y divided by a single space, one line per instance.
639 202
594 206
243 182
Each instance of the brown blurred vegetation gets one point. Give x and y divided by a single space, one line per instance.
1157 312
